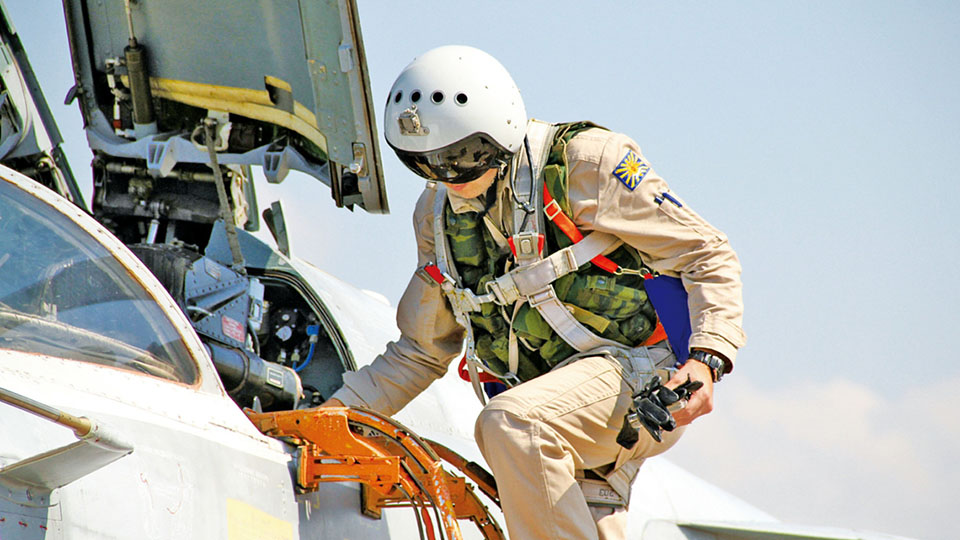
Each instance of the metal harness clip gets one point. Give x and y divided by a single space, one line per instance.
504 290
526 246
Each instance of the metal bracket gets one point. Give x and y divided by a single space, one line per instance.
161 157
410 124
345 52
275 166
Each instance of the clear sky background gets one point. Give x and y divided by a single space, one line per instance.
822 137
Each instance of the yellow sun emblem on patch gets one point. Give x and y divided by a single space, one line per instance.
631 170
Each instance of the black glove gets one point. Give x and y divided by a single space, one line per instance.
650 410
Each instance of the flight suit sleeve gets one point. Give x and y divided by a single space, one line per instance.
614 189
429 336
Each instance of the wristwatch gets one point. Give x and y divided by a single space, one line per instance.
717 365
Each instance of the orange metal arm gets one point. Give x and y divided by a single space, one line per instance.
350 444
470 469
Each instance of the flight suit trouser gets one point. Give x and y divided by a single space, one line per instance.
535 437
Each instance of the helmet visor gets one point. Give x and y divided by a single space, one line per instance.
457 163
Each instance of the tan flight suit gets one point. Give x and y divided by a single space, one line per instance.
537 435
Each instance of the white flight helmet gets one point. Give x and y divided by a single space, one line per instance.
453 114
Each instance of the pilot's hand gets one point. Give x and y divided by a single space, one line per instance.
701 402
332 402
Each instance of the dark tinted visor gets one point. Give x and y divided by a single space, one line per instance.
457 163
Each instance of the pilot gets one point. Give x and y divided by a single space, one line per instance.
535 241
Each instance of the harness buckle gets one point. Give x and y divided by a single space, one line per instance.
541 297
503 289
564 262
554 207
526 246
465 299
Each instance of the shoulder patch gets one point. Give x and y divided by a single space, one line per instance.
631 170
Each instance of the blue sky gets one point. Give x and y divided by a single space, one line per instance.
822 137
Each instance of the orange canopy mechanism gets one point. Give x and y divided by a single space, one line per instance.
395 466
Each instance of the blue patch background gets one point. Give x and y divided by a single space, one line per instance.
621 172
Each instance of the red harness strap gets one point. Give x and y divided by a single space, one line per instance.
555 214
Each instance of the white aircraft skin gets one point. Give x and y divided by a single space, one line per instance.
199 469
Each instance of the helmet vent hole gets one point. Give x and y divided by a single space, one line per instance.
437 97
415 96
396 98
461 98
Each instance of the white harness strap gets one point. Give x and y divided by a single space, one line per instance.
532 279
462 300
527 280
527 190
527 180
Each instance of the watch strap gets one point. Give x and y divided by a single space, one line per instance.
716 363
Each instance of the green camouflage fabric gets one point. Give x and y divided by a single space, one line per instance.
614 307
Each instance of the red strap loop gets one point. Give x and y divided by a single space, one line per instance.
465 373
569 228
434 272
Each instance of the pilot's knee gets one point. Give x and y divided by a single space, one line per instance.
492 428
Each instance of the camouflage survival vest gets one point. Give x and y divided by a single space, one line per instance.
614 307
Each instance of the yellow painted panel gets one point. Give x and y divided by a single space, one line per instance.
245 522
253 104
279 83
